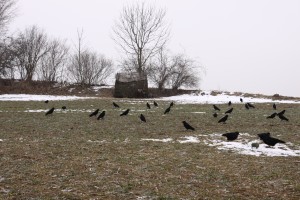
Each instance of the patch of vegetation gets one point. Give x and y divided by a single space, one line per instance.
71 156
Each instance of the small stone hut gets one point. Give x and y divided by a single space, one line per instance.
131 85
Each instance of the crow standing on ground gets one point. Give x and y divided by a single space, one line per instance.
49 112
223 119
155 104
142 117
216 108
94 113
241 100
47 101
261 135
125 112
246 106
282 117
101 116
281 113
267 139
64 107
274 106
187 126
229 103
250 105
148 105
272 116
215 115
231 136
229 111
116 105
167 110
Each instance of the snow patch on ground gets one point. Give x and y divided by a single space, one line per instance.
243 145
158 140
189 139
218 99
29 97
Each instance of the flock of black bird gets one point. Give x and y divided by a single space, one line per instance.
265 137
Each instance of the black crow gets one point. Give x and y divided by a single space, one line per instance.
125 112
223 119
216 108
241 100
246 106
49 111
261 135
215 115
282 117
155 104
229 103
171 104
229 111
116 105
274 106
250 105
167 110
281 113
47 101
148 105
267 139
94 113
272 116
101 116
187 126
64 107
231 136
142 117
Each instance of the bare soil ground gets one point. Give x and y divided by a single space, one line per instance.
71 156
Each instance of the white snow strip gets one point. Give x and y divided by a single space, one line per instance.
97 141
28 97
158 140
198 112
218 99
189 139
1 140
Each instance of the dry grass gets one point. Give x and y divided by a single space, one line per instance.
71 156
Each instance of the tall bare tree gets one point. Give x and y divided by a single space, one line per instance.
7 12
30 46
87 67
52 64
141 32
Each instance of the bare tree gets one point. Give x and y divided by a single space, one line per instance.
6 58
141 32
7 12
53 62
87 67
30 46
185 72
161 69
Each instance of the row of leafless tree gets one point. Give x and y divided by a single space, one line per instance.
33 55
141 33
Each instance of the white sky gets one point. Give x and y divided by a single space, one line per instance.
244 45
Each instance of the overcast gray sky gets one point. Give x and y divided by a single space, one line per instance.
244 45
